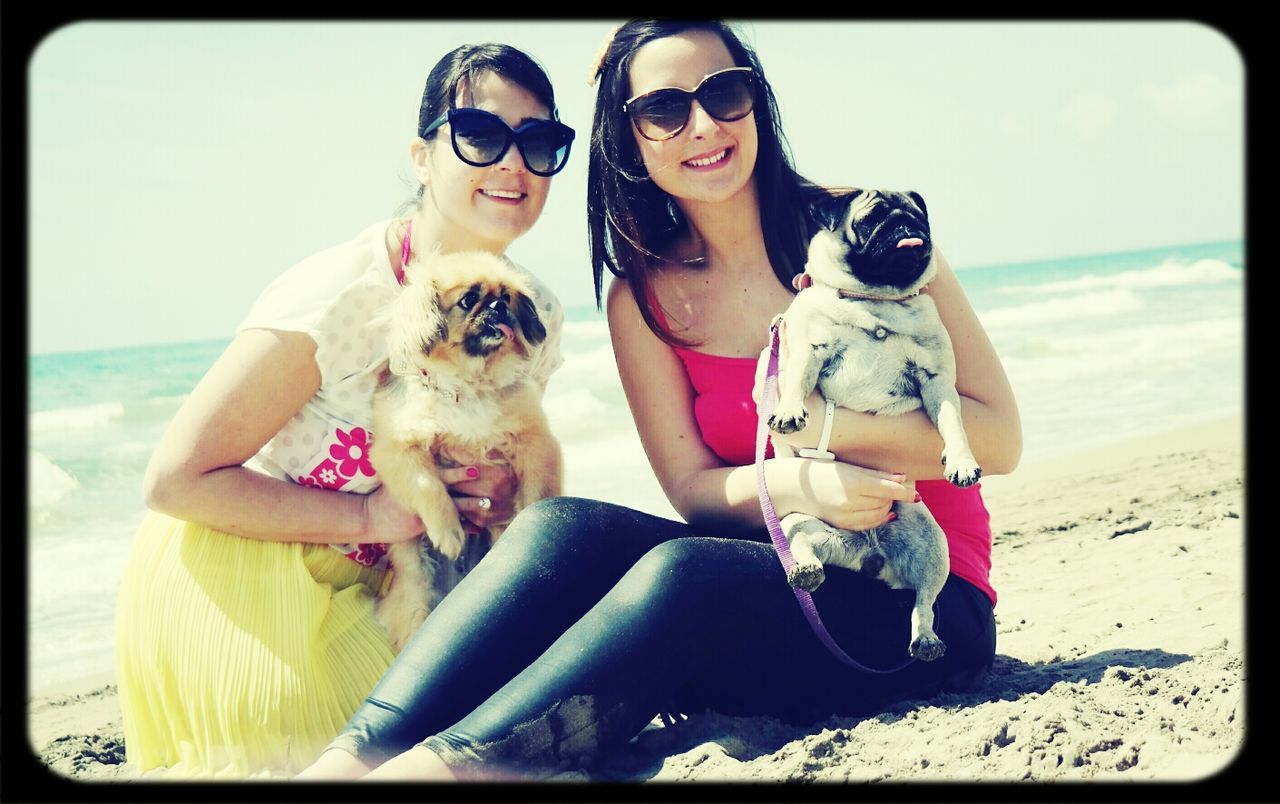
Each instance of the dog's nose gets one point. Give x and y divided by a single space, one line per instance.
872 565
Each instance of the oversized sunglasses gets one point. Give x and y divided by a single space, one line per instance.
726 95
481 138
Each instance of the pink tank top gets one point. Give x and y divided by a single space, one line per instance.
726 417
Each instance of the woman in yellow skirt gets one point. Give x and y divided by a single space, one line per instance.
245 635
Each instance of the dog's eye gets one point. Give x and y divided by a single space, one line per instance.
881 333
470 300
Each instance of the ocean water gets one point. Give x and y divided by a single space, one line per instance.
1097 348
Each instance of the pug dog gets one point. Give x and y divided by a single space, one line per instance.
862 333
460 339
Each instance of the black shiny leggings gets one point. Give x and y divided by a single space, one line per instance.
588 619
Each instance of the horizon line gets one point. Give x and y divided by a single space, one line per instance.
591 304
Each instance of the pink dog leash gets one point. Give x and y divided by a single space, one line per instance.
767 395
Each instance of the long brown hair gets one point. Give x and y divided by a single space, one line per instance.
631 221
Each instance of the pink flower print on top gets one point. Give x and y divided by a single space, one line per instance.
307 480
368 554
352 452
325 475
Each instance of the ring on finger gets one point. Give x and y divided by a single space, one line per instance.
484 503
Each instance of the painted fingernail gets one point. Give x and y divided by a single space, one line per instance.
892 516
473 472
917 499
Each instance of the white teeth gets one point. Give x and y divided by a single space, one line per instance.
710 160
502 193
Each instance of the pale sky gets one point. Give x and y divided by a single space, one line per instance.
176 168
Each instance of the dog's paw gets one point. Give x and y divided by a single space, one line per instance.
961 472
806 576
788 420
449 540
927 648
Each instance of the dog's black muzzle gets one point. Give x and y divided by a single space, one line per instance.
881 261
485 335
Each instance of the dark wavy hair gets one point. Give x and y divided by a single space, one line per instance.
467 63
631 220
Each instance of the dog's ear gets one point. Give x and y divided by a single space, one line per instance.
384 319
829 211
419 325
852 212
919 199
435 322
527 314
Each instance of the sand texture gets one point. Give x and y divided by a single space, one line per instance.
1119 656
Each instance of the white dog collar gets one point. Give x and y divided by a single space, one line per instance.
821 453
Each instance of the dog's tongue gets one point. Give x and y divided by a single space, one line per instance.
507 331
911 241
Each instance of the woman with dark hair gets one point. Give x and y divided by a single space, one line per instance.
588 619
632 220
245 634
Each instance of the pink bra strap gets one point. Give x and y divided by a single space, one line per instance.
655 307
404 252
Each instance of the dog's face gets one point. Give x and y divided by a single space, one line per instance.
470 314
882 245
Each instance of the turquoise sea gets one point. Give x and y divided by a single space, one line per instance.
1098 349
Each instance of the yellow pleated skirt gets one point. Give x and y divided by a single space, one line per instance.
239 658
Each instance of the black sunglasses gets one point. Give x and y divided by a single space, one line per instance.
481 138
660 114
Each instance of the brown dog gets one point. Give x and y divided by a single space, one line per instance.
459 343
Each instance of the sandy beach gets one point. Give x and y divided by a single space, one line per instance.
1119 656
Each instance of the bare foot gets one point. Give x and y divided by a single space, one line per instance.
333 764
417 764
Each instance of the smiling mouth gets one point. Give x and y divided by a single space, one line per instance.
707 161
503 195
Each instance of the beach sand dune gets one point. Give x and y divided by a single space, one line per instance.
1120 645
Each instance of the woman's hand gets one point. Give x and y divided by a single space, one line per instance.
386 521
472 485
838 493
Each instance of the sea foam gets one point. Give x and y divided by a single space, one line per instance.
48 482
1169 273
1103 304
80 418
1124 356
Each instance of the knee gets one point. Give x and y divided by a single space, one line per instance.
559 512
553 525
676 568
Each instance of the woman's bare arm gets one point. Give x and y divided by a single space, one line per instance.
699 485
262 379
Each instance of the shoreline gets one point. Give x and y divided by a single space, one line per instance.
1154 657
